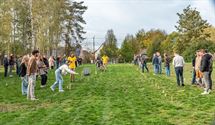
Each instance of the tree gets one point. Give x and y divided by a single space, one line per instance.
191 28
110 45
128 48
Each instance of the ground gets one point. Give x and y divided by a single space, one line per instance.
120 96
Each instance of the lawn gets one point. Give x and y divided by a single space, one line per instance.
120 96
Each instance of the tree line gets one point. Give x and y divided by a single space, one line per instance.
40 24
192 33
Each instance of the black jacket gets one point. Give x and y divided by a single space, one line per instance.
23 70
155 60
6 62
206 63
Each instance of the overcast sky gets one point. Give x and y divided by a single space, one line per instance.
129 16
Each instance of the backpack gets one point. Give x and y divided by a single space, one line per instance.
86 72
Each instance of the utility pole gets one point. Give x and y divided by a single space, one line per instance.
94 49
94 44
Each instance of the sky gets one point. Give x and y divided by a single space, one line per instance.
129 16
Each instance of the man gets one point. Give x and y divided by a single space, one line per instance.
6 64
206 67
144 63
155 62
167 64
71 61
178 63
11 65
105 60
160 63
194 71
31 72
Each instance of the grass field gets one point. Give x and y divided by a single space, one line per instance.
120 96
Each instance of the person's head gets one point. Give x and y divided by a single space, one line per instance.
175 53
165 55
25 59
35 53
5 56
72 55
202 52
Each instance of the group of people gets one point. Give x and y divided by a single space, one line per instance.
102 62
30 67
202 67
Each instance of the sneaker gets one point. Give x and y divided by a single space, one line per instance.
209 91
205 93
34 99
61 90
182 85
42 86
52 89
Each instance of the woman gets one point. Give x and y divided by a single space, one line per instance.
23 72
42 71
59 79
51 62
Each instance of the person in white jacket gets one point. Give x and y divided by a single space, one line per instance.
64 69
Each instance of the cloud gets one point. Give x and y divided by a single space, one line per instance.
129 16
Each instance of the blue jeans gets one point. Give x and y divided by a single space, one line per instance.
160 68
168 70
144 66
156 68
24 85
179 75
194 76
59 80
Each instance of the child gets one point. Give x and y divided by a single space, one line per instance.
23 72
42 71
59 79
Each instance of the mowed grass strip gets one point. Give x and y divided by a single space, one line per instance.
120 96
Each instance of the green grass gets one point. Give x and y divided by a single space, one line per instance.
120 96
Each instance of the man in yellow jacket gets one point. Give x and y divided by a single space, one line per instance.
71 61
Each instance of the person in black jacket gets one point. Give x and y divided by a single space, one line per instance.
167 64
155 62
6 64
143 59
194 71
23 72
207 68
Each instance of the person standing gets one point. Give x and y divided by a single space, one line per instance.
71 61
11 65
43 71
199 74
6 64
51 62
160 63
18 63
178 63
194 71
144 63
59 79
155 63
31 72
105 60
167 64
23 74
206 68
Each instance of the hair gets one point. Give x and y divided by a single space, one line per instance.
34 52
203 51
25 59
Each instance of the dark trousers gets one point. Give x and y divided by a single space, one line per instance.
5 71
194 76
43 79
17 70
144 66
179 75
210 80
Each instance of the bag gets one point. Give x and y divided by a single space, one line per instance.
86 72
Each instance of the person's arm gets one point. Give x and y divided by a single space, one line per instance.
173 62
203 64
69 70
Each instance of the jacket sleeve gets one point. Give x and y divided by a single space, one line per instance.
70 71
203 64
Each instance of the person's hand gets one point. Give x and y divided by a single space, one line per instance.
76 73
